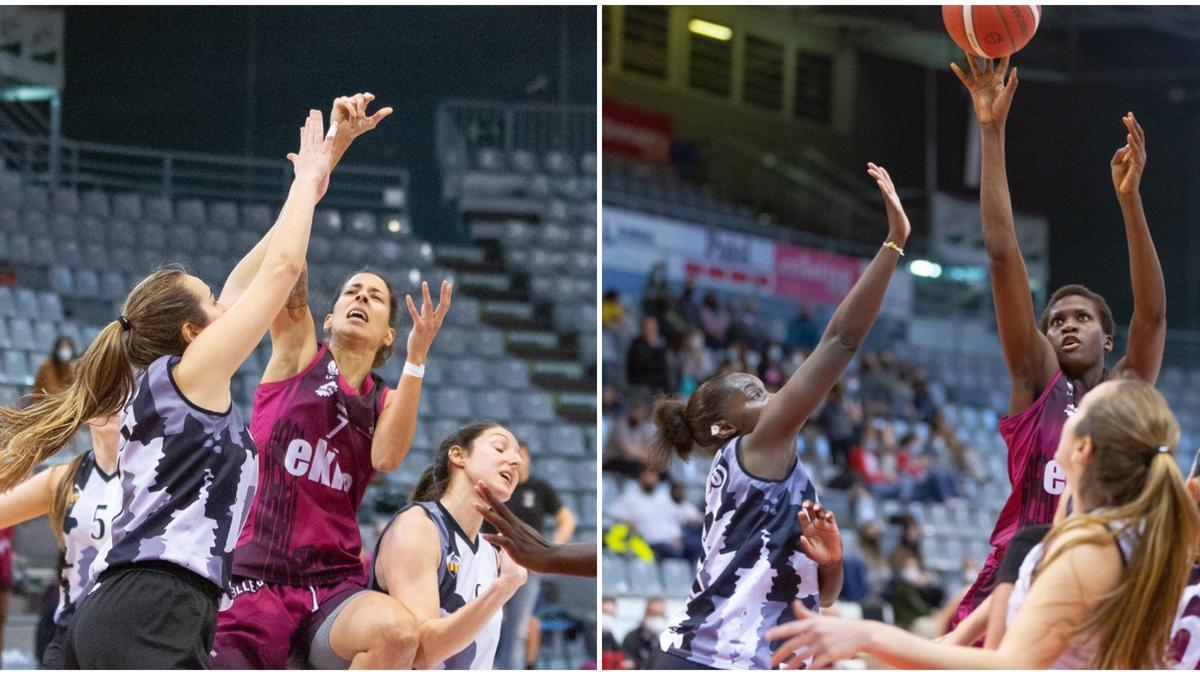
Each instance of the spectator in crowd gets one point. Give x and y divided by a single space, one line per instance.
875 389
690 519
966 461
696 362
55 374
715 322
744 325
628 444
656 297
611 657
532 501
911 592
772 371
646 362
686 306
651 514
642 641
922 398
803 330
839 419
612 312
929 483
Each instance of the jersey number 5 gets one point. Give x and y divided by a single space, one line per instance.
98 526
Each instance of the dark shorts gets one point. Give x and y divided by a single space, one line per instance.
54 658
151 615
268 623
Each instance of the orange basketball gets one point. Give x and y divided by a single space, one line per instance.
991 31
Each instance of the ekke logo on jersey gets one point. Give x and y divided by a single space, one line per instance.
319 463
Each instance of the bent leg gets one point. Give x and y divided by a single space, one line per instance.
369 630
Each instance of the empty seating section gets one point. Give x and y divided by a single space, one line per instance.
77 253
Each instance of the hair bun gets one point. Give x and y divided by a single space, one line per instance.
674 432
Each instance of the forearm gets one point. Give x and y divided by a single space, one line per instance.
995 203
290 243
396 428
1146 277
856 314
970 628
577 560
901 649
444 637
829 581
243 273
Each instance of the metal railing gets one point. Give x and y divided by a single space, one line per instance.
82 164
465 126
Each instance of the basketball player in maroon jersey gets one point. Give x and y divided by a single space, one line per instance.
325 424
1052 365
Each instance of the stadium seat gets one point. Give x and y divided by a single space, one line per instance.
467 372
157 209
493 404
506 373
94 204
35 198
127 206
452 402
566 440
644 579
224 215
258 218
66 201
87 284
537 406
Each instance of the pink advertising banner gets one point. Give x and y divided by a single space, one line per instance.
813 276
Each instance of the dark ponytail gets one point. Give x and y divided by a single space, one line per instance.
682 426
436 477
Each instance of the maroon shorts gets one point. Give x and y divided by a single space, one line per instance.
981 589
268 622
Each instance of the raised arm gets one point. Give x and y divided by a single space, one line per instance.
407 567
211 359
769 450
397 423
1030 358
293 332
31 498
1148 326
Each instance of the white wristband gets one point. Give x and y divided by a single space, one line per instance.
413 369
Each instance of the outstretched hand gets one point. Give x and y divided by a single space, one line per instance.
991 95
823 638
428 321
898 225
524 544
1130 161
316 148
821 541
350 114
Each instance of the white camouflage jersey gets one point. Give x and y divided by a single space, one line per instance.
466 568
87 526
188 476
751 570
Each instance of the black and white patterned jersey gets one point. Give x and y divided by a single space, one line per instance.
87 527
466 568
188 477
751 569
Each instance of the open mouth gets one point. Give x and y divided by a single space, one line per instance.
509 477
357 314
1070 344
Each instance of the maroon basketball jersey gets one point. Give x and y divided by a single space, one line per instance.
314 436
1032 438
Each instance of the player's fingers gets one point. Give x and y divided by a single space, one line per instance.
445 295
426 300
959 73
380 115
412 308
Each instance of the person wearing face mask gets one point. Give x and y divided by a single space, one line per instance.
55 374
641 642
690 519
715 321
910 592
696 362
628 444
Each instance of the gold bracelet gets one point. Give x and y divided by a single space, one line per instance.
894 246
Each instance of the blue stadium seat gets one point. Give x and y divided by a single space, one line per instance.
507 373
566 439
70 254
615 578
43 251
442 428
531 435
150 259
122 234
556 162
127 206
10 220
214 242
588 163
5 335
113 286
224 215
157 209
45 333
327 222
62 280
677 576
16 368
452 402
258 217
466 372
21 331
362 224
644 579
319 248
489 159
66 200
62 226
191 212
487 343
537 406
493 404
523 161
87 284
35 198
181 239
450 342
11 194
94 203
122 259
152 235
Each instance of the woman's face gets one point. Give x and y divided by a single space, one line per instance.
495 459
361 313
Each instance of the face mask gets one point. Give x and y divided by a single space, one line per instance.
655 624
912 575
65 354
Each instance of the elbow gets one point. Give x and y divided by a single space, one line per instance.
997 254
288 267
385 464
422 660
846 340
